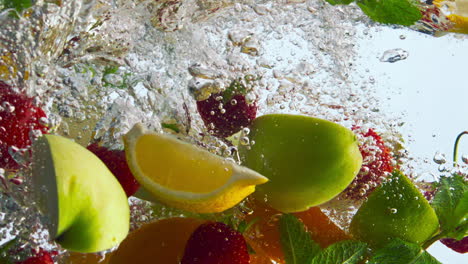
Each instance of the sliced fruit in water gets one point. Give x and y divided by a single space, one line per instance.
185 176
307 160
86 207
162 241
395 210
264 235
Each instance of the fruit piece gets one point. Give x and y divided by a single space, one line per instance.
185 176
116 162
19 117
457 13
307 160
227 112
86 206
395 210
41 257
460 246
213 243
264 236
162 241
377 164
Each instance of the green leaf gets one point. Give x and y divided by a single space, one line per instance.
402 252
402 12
236 87
18 5
340 2
451 206
297 244
343 252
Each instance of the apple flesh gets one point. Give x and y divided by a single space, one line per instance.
86 207
307 160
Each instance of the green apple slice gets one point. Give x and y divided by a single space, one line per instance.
86 207
395 210
307 160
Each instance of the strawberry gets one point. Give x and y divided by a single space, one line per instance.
377 163
19 117
460 246
117 163
227 112
41 257
216 243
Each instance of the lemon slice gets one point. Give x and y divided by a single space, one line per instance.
185 176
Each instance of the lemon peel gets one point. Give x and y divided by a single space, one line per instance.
185 176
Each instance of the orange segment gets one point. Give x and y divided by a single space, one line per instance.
162 241
322 229
264 235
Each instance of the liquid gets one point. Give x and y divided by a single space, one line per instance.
99 67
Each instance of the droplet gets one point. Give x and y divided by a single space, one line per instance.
465 158
439 158
393 210
394 55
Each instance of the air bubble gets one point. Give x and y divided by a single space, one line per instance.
439 158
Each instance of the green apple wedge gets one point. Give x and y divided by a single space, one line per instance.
307 160
395 210
86 208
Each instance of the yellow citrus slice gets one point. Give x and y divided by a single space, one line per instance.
185 176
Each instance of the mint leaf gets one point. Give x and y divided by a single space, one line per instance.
343 252
297 244
18 5
402 252
451 206
340 2
402 12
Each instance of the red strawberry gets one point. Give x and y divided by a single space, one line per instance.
41 257
377 163
228 112
117 163
216 243
18 118
460 246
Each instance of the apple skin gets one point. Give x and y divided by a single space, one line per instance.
86 207
396 209
307 160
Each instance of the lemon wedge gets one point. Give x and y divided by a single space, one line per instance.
185 176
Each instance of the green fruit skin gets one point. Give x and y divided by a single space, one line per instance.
307 160
377 222
86 206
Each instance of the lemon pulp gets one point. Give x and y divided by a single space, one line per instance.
180 166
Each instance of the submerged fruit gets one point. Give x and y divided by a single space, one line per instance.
460 246
395 210
215 243
185 176
377 165
117 163
307 160
227 112
86 206
162 241
19 118
264 235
